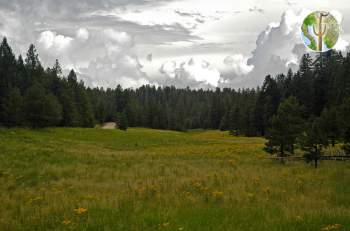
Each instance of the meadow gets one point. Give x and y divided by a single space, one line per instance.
143 179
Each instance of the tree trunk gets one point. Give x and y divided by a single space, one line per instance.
316 162
316 155
282 153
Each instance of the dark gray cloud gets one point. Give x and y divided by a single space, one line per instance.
149 57
102 40
64 7
101 47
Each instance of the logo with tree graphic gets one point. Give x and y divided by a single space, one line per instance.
320 31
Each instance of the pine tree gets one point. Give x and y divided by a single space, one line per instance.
82 101
305 64
56 85
7 75
41 109
314 140
266 104
122 121
23 81
84 107
330 121
100 113
70 114
52 110
12 108
345 124
304 84
32 59
286 126
234 121
224 124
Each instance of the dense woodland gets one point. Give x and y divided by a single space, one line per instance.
316 99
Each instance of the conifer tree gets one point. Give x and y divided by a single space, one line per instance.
314 140
286 126
32 60
41 109
122 121
12 108
330 121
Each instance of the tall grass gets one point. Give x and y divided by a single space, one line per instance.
93 179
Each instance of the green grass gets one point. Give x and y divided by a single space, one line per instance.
146 179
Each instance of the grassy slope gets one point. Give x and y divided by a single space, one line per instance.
160 180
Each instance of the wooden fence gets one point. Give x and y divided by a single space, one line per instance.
296 158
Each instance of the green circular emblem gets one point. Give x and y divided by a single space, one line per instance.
320 31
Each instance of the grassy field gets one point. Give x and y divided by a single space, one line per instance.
142 179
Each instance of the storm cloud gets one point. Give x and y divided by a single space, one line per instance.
163 42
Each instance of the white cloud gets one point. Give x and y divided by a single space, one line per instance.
102 58
237 64
169 68
278 48
108 73
341 45
193 72
50 40
82 34
276 51
118 37
115 64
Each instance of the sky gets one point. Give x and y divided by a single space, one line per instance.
195 43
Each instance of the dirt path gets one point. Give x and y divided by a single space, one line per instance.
108 125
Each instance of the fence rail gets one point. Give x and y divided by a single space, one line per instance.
296 158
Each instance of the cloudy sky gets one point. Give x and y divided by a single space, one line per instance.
196 43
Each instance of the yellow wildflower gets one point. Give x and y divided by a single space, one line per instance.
332 227
80 211
66 222
217 195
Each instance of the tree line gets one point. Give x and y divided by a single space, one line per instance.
33 96
312 104
312 107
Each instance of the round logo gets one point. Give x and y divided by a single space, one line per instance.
320 31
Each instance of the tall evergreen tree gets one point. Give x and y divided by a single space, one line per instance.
345 124
41 109
122 121
314 140
70 114
7 76
330 121
12 108
286 126
32 60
